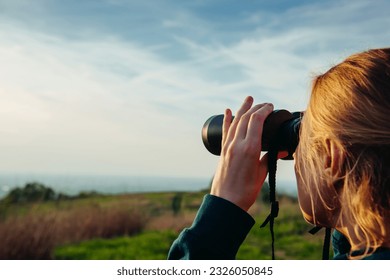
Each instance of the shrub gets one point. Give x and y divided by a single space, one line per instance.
176 203
32 192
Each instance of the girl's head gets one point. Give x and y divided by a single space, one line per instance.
343 158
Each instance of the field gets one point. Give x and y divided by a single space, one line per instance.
137 226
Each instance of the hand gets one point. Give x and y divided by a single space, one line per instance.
241 172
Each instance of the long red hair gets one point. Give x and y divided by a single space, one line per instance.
350 106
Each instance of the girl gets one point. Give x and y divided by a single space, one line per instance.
342 166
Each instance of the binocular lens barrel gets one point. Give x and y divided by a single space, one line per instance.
280 131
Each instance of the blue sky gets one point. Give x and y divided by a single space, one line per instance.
124 87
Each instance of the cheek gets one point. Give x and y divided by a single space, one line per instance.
315 209
304 198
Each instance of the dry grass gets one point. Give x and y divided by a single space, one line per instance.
169 221
28 237
33 231
34 235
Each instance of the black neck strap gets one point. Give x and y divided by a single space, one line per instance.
272 158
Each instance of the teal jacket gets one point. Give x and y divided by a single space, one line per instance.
220 227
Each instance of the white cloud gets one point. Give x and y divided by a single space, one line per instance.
65 98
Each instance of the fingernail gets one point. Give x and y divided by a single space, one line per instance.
249 99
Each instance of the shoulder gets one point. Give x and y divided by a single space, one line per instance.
341 249
379 254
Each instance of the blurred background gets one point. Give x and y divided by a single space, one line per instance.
102 104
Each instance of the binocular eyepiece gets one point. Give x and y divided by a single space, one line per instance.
280 131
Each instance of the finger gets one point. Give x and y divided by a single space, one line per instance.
242 126
244 108
256 123
227 120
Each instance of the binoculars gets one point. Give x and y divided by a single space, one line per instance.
280 131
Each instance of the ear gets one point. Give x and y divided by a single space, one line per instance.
334 158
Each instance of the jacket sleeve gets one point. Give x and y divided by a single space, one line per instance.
217 232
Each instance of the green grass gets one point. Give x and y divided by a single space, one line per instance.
155 245
145 246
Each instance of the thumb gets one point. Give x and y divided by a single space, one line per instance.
264 159
263 168
282 154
